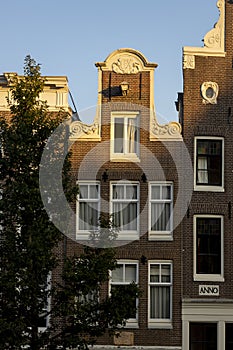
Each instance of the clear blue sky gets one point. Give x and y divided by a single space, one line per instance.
68 37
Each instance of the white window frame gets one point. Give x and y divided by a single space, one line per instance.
126 235
125 156
207 187
159 322
132 322
207 277
85 234
160 235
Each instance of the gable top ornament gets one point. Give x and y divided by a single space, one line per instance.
126 61
214 41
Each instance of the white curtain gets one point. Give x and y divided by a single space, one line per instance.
160 216
125 215
132 135
202 173
118 135
88 215
160 302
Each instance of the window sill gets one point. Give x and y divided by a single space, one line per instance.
208 278
124 158
122 236
160 324
131 324
160 236
207 188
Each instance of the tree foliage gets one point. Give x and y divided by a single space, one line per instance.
28 237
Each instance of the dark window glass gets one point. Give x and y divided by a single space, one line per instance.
203 336
209 162
229 336
208 245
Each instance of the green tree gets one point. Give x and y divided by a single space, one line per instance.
28 237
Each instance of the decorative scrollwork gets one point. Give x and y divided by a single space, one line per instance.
213 39
79 129
171 131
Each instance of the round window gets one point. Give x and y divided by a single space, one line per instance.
209 92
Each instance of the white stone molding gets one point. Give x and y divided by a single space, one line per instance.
189 62
214 40
126 61
209 92
81 131
166 132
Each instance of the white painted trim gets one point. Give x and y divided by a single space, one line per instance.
208 187
208 277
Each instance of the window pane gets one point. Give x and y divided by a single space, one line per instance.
125 216
131 192
130 273
160 302
209 162
83 191
132 135
229 336
166 192
118 135
154 273
166 273
160 216
117 274
208 245
118 192
203 336
88 215
94 192
155 192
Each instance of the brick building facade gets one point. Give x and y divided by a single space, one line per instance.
206 117
169 188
